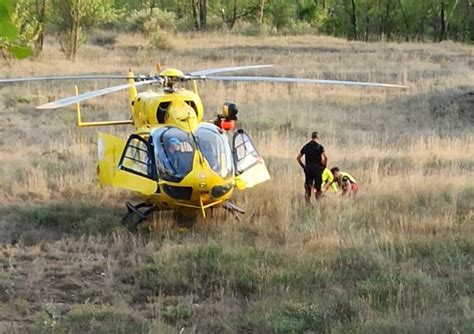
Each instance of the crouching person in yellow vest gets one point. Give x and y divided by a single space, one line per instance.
328 181
346 182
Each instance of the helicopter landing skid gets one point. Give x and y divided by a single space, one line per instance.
233 209
134 216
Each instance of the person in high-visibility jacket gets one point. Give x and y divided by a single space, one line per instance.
346 182
328 181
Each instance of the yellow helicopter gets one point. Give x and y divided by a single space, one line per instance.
174 159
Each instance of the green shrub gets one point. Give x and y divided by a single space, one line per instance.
253 30
103 38
465 205
184 24
443 254
466 326
423 203
414 293
46 322
395 165
136 20
282 13
159 20
357 264
175 310
304 275
287 317
417 326
299 28
207 269
57 219
92 319
161 40
215 23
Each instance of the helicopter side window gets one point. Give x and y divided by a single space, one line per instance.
193 105
161 112
174 153
215 149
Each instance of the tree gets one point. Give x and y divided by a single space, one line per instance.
354 19
30 18
282 12
386 21
10 45
366 11
41 16
199 8
234 10
306 10
353 33
261 12
74 16
469 9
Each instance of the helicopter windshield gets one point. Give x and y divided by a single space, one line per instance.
174 153
215 149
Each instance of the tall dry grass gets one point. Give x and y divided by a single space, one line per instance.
398 258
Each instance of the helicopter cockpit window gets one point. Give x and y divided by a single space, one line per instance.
215 149
174 153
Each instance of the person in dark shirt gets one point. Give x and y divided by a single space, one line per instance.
315 162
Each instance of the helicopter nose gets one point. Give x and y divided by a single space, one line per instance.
202 181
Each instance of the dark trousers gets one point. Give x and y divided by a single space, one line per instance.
313 178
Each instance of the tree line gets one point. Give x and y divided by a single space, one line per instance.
26 22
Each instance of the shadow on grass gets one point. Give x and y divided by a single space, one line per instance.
32 223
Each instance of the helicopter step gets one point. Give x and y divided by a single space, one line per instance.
134 216
233 209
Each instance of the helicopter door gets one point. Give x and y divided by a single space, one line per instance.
109 149
250 167
136 169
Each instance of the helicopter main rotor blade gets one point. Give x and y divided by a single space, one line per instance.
73 77
226 69
74 99
300 80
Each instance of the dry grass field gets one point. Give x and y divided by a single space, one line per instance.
397 259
